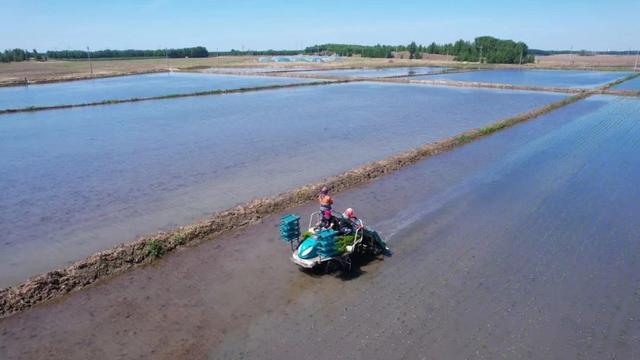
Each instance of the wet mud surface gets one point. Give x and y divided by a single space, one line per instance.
66 202
519 245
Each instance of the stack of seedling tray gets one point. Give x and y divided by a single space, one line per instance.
289 228
326 243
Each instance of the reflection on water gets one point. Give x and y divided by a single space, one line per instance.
127 87
77 181
549 78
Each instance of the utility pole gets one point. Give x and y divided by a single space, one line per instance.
90 63
166 58
571 54
635 67
480 59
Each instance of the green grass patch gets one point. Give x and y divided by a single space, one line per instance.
180 239
464 138
154 248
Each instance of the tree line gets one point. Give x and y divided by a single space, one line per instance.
192 52
10 55
483 49
270 52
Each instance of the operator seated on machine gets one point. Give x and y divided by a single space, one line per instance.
327 221
349 223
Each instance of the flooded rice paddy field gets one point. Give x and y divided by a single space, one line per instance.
542 78
77 181
633 84
373 73
127 87
522 244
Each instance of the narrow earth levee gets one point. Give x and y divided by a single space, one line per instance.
118 259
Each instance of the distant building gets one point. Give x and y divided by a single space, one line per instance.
401 54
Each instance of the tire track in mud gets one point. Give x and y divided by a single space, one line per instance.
145 249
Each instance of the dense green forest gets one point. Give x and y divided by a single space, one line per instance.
22 55
270 52
485 48
377 51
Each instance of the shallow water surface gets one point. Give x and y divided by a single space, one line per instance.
373 73
79 180
523 244
520 245
549 78
126 87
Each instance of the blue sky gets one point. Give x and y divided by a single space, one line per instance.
276 24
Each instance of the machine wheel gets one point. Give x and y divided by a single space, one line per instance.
331 266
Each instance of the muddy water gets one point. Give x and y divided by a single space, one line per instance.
127 87
548 78
520 245
384 72
78 181
633 84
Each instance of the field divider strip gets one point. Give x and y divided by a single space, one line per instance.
145 249
172 96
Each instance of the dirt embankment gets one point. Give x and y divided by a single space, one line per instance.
143 250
